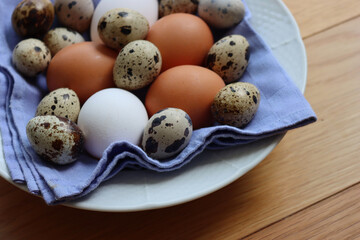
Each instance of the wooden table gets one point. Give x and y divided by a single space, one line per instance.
307 188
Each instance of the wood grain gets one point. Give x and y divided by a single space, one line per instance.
309 165
333 218
316 16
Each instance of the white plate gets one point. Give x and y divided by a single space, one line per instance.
212 170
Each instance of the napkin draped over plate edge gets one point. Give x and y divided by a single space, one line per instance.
110 165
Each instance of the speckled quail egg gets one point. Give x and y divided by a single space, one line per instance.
32 18
229 57
120 26
167 133
55 139
62 102
167 7
59 38
137 65
75 14
236 104
30 57
221 13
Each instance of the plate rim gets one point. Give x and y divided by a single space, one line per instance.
275 142
78 204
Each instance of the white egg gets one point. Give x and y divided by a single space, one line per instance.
109 116
148 8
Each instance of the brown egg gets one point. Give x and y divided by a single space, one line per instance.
236 104
190 88
33 18
85 67
182 38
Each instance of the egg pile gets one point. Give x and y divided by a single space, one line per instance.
136 66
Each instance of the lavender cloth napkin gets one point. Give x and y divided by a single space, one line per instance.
282 107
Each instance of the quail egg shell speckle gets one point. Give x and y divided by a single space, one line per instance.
55 139
62 102
120 26
31 57
229 57
75 14
167 133
137 65
32 18
236 104
148 8
221 13
167 7
58 38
